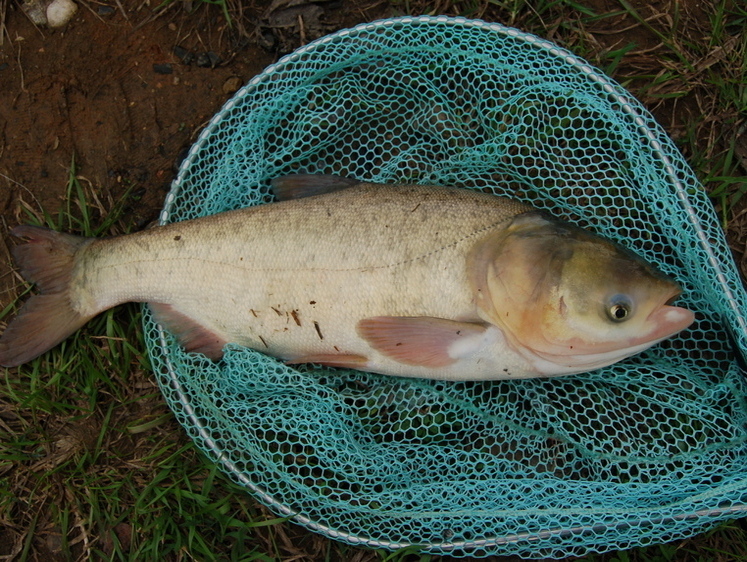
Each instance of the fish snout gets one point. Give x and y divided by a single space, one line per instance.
668 320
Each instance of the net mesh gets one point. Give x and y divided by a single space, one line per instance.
647 450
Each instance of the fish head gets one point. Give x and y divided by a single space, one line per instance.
570 301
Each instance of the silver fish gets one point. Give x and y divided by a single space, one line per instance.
407 280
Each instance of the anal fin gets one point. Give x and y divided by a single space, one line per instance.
193 336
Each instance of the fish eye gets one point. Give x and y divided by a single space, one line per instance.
619 308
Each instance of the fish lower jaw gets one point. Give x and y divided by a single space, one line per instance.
549 365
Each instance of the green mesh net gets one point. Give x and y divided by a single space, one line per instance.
647 450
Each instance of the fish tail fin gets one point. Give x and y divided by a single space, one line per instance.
46 259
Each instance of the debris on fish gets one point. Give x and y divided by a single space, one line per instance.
408 280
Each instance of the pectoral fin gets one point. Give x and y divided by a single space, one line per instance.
421 340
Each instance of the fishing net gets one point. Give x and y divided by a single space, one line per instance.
650 449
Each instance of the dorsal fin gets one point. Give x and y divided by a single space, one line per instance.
298 186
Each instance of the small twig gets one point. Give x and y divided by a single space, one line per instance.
121 9
78 522
617 31
647 51
2 137
301 30
11 180
201 42
20 70
163 9
17 548
3 31
716 55
88 7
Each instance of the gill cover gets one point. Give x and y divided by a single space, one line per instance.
569 300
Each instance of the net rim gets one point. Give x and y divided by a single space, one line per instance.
623 98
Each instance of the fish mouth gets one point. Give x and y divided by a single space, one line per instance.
667 321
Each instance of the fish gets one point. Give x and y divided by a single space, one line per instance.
400 279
